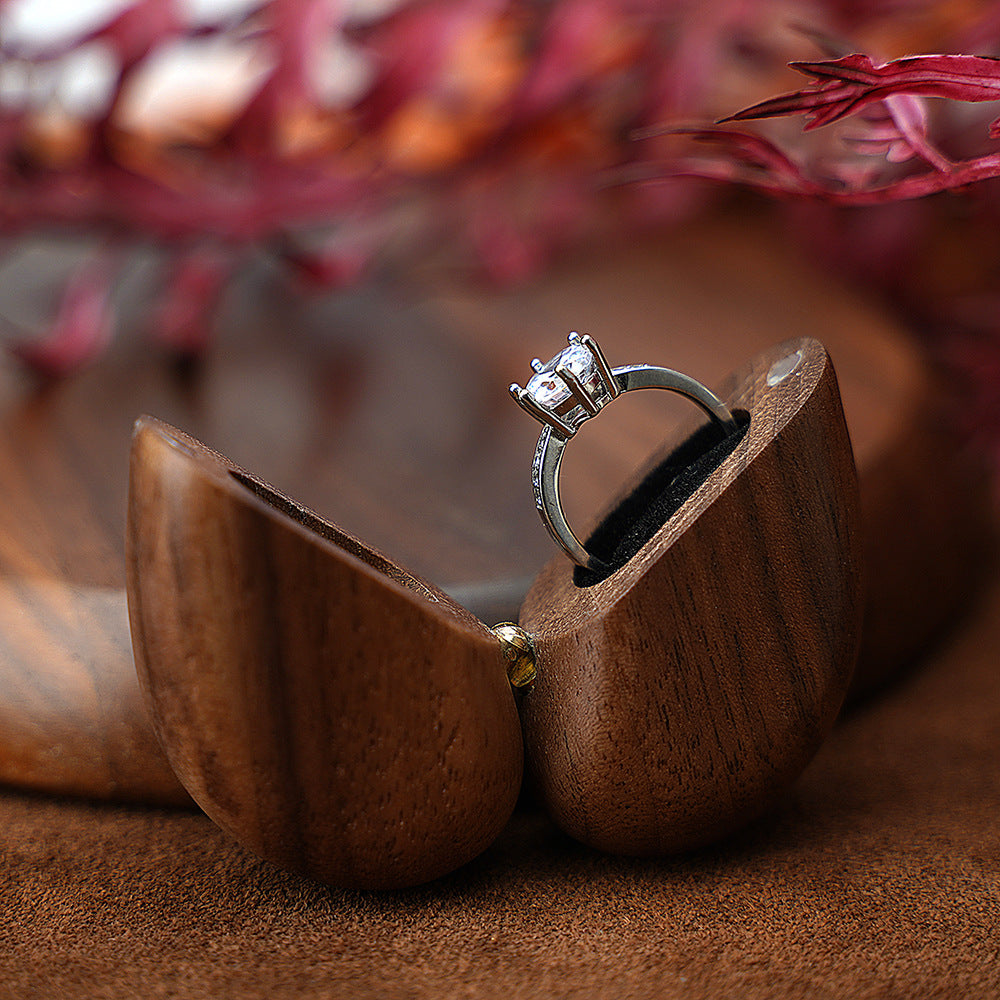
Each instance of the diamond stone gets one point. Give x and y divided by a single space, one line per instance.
547 389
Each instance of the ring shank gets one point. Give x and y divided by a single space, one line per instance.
549 452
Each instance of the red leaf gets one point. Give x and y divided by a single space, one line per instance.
297 29
571 31
411 47
910 116
769 167
794 182
139 28
842 86
82 325
336 264
183 318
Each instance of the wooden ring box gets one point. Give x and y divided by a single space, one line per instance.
345 719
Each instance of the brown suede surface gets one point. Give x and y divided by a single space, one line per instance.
879 877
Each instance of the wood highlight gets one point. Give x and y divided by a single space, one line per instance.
676 699
336 715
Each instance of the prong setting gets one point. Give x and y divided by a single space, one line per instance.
607 375
527 403
580 392
570 388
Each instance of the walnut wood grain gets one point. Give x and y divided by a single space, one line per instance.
679 696
335 714
385 409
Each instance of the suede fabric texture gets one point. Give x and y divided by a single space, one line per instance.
879 876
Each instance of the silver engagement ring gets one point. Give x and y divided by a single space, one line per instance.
570 389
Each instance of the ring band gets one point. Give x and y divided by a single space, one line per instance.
566 392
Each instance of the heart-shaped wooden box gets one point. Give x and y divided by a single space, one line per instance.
343 718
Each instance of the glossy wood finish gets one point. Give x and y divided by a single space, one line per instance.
386 410
336 715
678 697
726 288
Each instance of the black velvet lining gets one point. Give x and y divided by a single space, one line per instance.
658 497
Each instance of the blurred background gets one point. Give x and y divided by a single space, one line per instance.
323 237
168 146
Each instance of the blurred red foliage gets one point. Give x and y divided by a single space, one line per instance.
329 134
